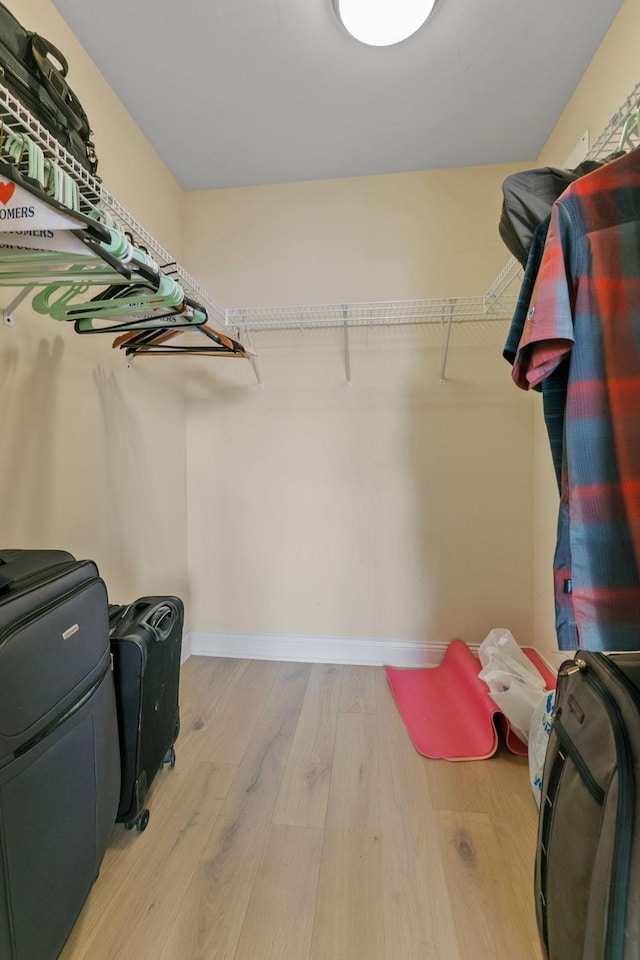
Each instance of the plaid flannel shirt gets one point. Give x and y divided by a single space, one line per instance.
585 307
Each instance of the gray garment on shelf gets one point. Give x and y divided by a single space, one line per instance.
528 198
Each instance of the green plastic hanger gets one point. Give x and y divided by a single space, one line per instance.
631 126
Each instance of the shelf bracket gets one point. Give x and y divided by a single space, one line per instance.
7 313
347 355
445 353
252 358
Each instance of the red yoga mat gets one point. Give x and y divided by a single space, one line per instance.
448 710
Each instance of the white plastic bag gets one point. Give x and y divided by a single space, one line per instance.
515 685
539 730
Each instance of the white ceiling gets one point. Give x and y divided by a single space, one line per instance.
243 92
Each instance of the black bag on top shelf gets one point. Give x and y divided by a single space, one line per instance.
34 71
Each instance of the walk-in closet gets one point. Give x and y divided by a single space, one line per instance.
263 372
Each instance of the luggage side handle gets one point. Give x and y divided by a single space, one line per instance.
53 79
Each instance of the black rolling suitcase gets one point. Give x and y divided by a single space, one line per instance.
59 757
146 643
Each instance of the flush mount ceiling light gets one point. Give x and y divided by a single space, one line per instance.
381 23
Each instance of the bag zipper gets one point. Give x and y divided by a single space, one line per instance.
64 716
617 906
610 664
57 118
16 625
548 802
44 575
572 751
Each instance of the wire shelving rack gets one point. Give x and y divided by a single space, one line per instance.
497 303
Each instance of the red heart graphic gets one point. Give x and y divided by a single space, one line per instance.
6 192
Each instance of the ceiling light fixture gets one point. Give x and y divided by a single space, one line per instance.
381 23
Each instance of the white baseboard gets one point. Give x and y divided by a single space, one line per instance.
365 652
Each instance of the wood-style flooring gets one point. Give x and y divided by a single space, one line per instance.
299 823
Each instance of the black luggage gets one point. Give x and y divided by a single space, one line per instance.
34 71
59 757
146 642
587 874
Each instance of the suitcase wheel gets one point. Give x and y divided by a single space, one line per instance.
141 823
170 758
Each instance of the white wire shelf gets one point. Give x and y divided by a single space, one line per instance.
459 310
15 117
498 302
496 305
609 140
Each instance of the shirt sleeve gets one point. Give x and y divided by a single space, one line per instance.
548 335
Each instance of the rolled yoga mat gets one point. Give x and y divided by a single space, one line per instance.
448 710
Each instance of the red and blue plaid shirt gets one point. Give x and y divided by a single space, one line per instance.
585 307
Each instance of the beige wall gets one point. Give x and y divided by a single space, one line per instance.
93 454
417 235
395 237
611 76
393 508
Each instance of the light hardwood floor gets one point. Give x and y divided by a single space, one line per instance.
299 823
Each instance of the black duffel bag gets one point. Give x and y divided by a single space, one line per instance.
28 71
